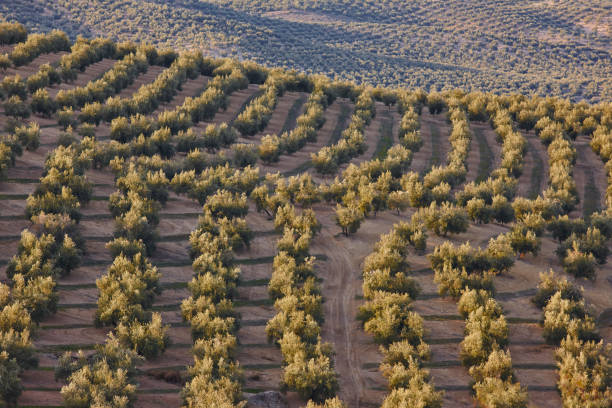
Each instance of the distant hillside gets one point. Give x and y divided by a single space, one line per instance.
560 48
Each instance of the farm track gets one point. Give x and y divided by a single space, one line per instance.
190 89
148 77
591 179
279 117
534 177
473 159
435 131
489 147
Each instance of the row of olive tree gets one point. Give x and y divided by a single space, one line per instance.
386 314
352 142
307 362
273 146
52 251
37 44
114 80
583 362
467 274
209 310
126 293
12 145
11 33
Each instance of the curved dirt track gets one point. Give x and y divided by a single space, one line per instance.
341 286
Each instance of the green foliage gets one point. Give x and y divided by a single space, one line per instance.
37 44
524 240
312 378
146 339
496 393
126 290
584 373
563 317
549 285
349 219
244 154
99 385
11 33
444 219
16 107
29 136
269 149
10 384
579 264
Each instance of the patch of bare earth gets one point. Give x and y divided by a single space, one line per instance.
535 166
472 160
589 173
490 138
434 129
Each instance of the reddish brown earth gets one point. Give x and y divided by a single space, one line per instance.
535 149
589 169
431 124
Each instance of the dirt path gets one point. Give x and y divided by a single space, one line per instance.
534 178
341 288
191 88
590 177
236 102
490 149
435 131
422 158
357 357
472 161
281 115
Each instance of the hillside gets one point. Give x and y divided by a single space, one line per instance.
551 48
181 230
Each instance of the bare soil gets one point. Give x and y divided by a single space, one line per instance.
536 152
589 171
430 125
